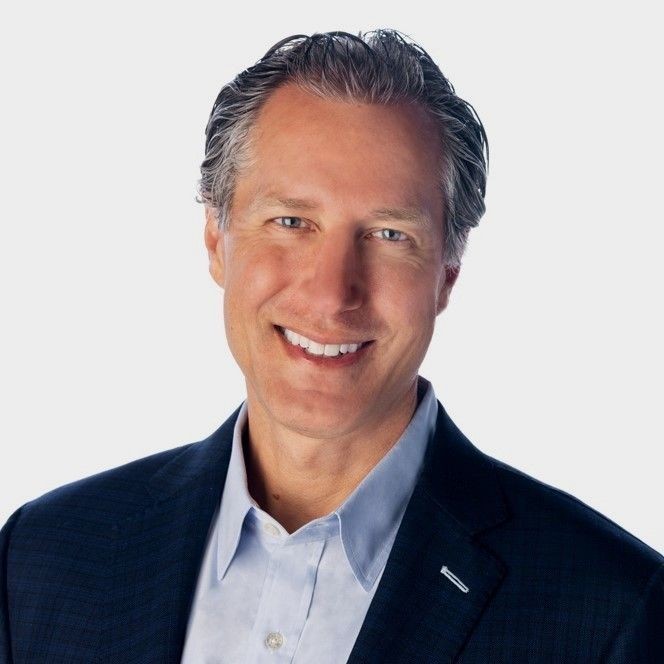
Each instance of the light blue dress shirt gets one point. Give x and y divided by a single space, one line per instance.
266 596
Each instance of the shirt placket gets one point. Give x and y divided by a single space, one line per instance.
286 596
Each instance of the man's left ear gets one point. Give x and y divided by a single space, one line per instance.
451 274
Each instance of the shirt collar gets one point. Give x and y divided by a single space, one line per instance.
235 501
368 519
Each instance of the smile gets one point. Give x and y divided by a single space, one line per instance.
319 349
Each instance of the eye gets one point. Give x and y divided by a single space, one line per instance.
289 222
390 235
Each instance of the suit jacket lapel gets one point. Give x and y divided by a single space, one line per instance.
158 555
419 614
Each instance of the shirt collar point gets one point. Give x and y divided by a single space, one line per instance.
367 579
222 568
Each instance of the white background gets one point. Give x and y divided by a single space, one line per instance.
549 356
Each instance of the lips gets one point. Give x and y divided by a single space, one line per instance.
342 353
333 349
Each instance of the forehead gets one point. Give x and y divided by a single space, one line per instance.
306 146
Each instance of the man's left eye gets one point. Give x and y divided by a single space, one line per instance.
390 235
290 222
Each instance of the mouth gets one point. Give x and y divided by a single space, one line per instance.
336 352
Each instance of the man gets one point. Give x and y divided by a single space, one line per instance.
338 515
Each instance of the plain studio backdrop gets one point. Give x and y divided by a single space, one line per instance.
113 347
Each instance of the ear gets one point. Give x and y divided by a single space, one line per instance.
451 274
214 242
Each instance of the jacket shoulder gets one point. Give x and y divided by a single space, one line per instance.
97 503
100 499
557 525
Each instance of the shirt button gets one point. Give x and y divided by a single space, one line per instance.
271 529
274 640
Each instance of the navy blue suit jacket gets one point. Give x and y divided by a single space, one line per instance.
104 570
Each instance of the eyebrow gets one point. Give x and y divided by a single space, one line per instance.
409 214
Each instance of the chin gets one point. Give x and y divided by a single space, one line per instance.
316 420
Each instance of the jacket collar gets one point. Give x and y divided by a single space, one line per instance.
462 480
205 461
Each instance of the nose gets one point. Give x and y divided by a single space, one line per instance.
336 281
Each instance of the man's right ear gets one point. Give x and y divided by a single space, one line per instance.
214 242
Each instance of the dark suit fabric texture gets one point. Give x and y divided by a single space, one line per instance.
104 570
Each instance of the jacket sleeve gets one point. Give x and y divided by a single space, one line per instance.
641 638
5 628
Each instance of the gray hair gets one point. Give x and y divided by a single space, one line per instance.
377 67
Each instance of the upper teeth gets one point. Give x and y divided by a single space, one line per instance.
313 347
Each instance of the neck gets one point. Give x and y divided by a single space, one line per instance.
297 478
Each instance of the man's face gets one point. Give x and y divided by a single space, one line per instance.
335 236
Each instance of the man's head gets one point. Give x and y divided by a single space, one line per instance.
337 207
379 67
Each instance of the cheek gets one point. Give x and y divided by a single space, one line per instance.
409 299
253 277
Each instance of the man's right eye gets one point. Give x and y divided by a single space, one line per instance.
290 222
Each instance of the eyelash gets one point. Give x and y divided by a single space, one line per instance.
403 239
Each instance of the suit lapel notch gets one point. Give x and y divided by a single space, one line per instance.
434 588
